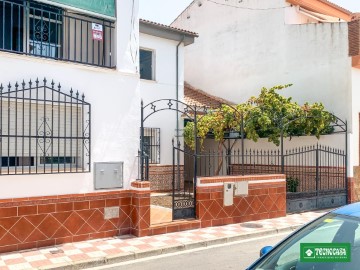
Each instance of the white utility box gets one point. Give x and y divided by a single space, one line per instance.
228 194
108 175
242 188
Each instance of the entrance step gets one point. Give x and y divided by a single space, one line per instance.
160 215
174 226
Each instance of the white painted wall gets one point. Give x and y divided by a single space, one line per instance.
164 87
243 50
115 99
336 141
354 135
293 16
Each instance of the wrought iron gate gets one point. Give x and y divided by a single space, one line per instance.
184 184
316 178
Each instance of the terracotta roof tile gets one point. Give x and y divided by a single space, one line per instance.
336 6
193 96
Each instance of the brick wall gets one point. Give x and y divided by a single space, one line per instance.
354 38
354 186
266 199
160 177
45 221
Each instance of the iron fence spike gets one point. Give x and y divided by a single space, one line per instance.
23 84
45 81
83 96
37 81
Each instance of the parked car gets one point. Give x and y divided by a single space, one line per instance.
338 226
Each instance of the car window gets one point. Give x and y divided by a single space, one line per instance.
324 233
329 229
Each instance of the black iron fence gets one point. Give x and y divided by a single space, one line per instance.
31 28
143 166
43 130
307 169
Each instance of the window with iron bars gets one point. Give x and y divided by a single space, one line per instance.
43 130
36 29
152 144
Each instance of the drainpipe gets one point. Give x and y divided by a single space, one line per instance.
177 88
177 112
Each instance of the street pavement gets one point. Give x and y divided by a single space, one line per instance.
113 250
234 255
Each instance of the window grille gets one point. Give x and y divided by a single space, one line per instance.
43 130
152 144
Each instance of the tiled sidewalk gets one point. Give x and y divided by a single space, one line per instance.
111 250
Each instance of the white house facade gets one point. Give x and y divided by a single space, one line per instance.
115 79
72 78
262 44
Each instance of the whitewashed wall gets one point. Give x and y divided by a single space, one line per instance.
163 87
247 49
336 141
354 136
243 50
293 16
115 99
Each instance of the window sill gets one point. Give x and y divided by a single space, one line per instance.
148 81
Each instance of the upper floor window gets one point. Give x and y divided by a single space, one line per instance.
43 30
147 65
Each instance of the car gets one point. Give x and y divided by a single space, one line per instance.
337 227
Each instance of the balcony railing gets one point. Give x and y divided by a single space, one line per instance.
30 28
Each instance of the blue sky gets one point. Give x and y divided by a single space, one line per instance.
165 11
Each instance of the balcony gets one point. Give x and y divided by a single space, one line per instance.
40 30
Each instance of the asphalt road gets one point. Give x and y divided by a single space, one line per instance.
236 255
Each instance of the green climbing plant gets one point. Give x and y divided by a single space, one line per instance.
265 116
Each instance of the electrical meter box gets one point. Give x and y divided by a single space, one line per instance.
242 188
228 194
108 175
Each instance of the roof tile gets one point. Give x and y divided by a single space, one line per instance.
193 96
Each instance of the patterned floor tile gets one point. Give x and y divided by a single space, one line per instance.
99 248
34 258
96 254
21 266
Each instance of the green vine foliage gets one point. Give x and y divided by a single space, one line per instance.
264 117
